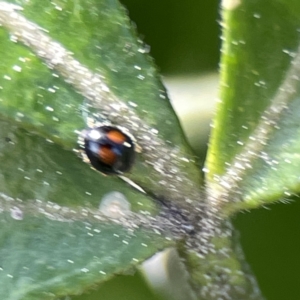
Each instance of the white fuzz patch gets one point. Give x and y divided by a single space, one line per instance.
114 205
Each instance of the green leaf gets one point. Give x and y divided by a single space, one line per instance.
49 198
255 146
100 37
115 78
53 238
34 168
42 258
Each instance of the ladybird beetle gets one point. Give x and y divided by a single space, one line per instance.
109 149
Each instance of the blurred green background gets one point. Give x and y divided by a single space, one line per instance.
184 37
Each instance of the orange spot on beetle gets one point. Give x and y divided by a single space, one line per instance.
116 136
107 155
